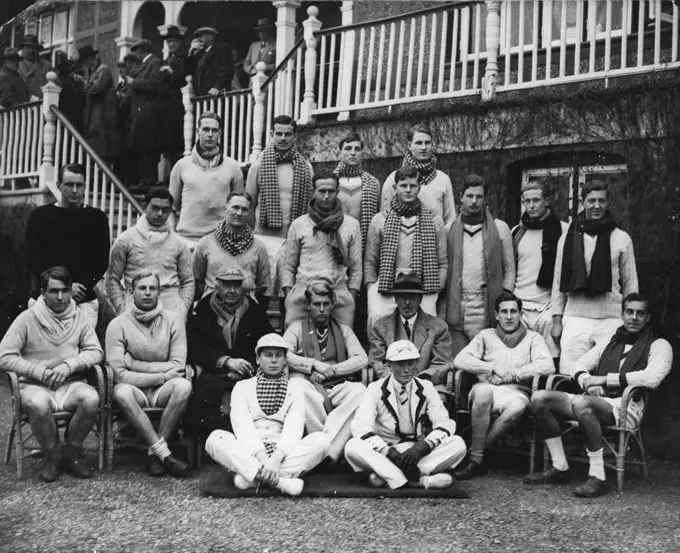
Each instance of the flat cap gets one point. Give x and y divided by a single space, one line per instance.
205 31
143 44
271 341
231 274
401 350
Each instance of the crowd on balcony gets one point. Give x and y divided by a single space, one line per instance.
381 280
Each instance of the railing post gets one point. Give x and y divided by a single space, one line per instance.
189 122
493 39
258 110
51 90
310 25
345 77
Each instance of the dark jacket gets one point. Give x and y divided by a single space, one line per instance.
205 345
101 113
214 69
13 90
172 124
145 109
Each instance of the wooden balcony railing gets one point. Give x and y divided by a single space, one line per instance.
21 136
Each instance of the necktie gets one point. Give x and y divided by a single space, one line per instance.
407 327
403 395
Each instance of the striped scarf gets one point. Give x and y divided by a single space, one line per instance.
427 169
270 199
424 259
234 243
370 188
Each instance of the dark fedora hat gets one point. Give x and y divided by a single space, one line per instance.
30 41
86 51
407 283
10 54
172 31
143 44
264 23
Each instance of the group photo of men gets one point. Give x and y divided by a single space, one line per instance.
290 320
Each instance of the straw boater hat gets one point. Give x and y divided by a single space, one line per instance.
30 41
264 23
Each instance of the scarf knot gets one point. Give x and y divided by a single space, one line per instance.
329 224
153 235
55 325
552 230
634 360
235 243
370 195
151 318
511 339
427 169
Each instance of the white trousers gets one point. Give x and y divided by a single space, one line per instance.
381 305
539 319
581 334
226 450
345 399
363 458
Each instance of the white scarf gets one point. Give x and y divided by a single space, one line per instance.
153 235
55 324
147 317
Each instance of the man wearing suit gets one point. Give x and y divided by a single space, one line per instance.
145 116
215 65
263 49
221 336
409 322
402 431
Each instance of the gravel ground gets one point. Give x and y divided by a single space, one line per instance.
127 511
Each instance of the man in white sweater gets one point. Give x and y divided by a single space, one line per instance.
595 270
50 346
147 349
633 357
324 244
268 418
504 359
534 242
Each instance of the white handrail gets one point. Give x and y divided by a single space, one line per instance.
21 130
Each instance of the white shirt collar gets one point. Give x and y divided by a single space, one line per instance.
398 387
411 321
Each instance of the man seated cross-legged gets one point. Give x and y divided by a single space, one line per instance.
634 356
49 346
268 418
325 356
504 359
402 431
146 347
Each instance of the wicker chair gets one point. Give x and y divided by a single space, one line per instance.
19 419
463 383
616 439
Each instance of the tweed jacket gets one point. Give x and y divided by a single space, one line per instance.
252 426
377 419
430 335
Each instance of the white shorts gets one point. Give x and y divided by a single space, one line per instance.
633 415
502 396
58 397
150 394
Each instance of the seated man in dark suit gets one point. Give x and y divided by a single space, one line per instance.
222 334
409 322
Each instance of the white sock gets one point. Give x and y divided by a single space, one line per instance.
556 449
596 459
160 449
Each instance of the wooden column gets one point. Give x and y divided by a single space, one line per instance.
346 76
493 39
310 25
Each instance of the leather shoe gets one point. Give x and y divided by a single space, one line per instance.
76 463
593 487
155 467
550 476
176 468
50 470
472 469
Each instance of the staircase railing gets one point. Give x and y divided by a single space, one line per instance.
21 137
103 189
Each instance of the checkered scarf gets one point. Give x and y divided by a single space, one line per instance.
268 181
427 169
370 187
271 392
235 243
424 259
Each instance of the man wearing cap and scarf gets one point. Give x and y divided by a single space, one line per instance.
214 63
101 106
222 333
146 347
262 50
504 359
534 242
633 357
406 236
13 89
50 347
429 334
402 432
32 68
594 271
474 280
146 116
268 418
280 184
324 244
325 358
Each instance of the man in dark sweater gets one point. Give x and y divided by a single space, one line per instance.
73 235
